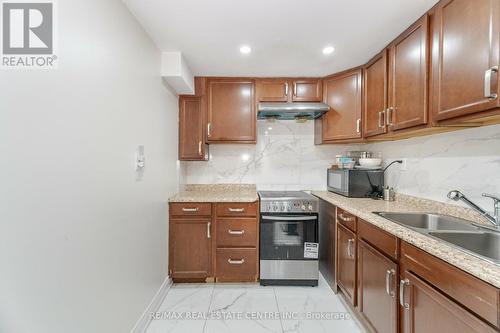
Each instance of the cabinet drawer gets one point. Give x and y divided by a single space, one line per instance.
236 264
378 238
190 209
346 219
240 232
478 296
237 209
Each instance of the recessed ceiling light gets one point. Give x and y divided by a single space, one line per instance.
328 50
245 49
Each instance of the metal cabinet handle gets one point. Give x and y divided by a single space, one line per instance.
208 129
346 219
236 232
358 126
487 83
190 209
235 261
199 148
390 112
209 235
236 210
381 121
349 247
402 301
295 89
286 88
388 282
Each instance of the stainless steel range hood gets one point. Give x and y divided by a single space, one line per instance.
291 111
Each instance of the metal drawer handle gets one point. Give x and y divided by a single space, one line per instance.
295 89
346 219
209 235
286 88
349 247
190 209
236 210
487 83
236 232
388 282
402 285
236 261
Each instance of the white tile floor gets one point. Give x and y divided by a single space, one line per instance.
226 307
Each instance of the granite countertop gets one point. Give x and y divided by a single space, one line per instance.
216 193
363 208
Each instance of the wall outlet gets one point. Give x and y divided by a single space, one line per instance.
404 165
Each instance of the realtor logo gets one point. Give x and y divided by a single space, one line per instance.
28 34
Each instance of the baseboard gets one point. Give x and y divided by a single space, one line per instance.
143 322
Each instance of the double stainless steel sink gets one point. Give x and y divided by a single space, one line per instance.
474 239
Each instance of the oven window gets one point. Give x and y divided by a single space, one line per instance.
285 239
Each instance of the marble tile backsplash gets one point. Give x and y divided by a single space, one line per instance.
285 158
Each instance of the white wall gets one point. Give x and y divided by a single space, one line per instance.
286 158
83 246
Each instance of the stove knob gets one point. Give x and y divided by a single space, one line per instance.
303 207
283 208
310 207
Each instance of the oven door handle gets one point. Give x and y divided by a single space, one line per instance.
289 218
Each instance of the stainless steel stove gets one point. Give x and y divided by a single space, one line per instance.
288 238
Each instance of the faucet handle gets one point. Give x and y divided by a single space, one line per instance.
491 196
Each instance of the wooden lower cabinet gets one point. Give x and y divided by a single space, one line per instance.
346 262
213 241
190 249
377 289
236 264
396 287
427 310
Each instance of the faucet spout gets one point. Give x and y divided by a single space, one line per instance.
494 220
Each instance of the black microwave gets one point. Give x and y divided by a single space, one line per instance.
355 183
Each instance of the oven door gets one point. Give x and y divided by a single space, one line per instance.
282 237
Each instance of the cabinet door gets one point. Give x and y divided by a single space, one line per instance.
465 50
272 90
428 311
190 248
346 262
307 90
375 95
408 68
343 94
377 289
231 111
191 139
327 241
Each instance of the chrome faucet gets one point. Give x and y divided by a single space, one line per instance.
495 219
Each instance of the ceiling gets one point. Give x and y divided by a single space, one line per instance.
286 36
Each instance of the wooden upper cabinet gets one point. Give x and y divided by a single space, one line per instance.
191 129
408 77
375 95
377 289
343 94
465 53
272 90
307 90
231 110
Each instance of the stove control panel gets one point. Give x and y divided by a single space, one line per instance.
292 206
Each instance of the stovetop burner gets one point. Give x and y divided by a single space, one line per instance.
288 202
